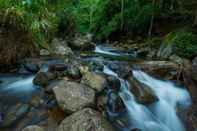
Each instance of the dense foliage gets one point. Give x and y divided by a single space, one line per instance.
38 17
42 19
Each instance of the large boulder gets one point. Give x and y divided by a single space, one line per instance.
94 80
82 42
72 96
85 120
60 47
33 128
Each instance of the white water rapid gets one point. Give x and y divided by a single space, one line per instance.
161 115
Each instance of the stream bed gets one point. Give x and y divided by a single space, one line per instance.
158 116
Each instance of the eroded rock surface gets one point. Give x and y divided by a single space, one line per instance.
72 96
85 120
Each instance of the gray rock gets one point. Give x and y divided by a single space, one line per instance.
60 47
82 43
94 80
33 128
143 93
72 96
162 69
85 120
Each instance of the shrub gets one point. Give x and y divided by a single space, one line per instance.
185 43
37 17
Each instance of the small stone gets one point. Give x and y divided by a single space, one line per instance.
33 128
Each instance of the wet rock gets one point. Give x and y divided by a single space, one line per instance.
96 65
143 93
101 101
33 128
33 68
41 79
57 67
189 80
189 117
94 80
161 69
13 114
82 43
113 83
115 104
73 96
85 120
122 69
60 47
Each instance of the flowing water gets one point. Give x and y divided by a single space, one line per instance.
17 88
159 116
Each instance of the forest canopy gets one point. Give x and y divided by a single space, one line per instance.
44 19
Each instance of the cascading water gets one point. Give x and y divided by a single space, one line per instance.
159 116
18 89
105 51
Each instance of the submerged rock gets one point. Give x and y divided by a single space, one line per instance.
13 114
72 96
85 120
33 128
113 83
143 93
94 80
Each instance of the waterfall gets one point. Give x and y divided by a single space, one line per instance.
159 116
